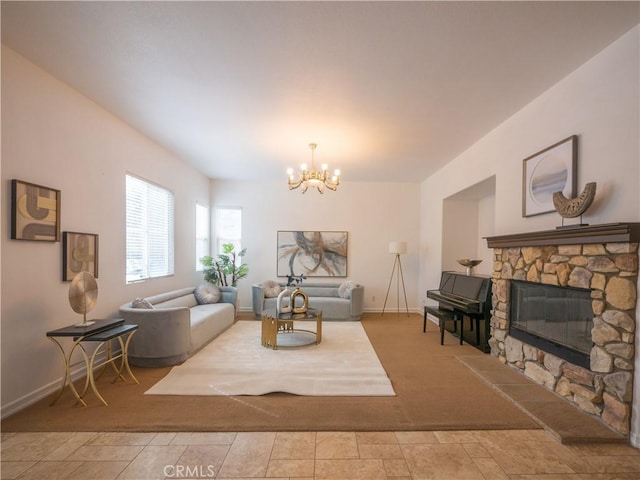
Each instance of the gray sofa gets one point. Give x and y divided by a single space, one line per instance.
322 296
177 326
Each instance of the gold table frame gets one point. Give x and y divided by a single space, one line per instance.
101 332
283 324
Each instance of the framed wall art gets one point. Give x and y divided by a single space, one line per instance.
79 254
550 170
35 212
313 254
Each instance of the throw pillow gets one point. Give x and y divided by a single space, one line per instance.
271 288
207 293
344 290
141 303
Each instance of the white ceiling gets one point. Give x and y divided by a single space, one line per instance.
390 91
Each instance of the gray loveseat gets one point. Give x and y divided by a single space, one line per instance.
177 326
325 297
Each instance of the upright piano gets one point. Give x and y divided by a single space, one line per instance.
463 296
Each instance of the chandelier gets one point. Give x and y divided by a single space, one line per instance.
312 178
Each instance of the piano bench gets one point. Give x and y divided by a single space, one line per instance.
443 316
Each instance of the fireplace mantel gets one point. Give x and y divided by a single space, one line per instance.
603 233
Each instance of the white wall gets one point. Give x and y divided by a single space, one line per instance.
486 228
373 214
598 102
459 233
53 136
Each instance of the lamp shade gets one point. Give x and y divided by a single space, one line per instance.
397 247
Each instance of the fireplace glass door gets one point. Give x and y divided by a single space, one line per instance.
555 319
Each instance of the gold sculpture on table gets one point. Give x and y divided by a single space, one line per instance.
574 207
296 307
83 295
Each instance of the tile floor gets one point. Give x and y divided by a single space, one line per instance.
463 455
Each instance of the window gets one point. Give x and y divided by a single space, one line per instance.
149 230
202 234
228 228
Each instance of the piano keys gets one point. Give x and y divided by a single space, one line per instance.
465 300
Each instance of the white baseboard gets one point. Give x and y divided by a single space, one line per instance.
634 439
394 310
418 310
44 391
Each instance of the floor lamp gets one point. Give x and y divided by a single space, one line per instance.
397 248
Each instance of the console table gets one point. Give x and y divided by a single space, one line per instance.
101 332
276 326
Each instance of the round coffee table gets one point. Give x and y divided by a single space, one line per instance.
281 331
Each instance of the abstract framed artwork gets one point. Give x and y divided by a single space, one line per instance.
79 254
550 170
312 253
35 212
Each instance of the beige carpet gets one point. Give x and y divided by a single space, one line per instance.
235 363
434 391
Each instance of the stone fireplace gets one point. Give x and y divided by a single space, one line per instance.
601 260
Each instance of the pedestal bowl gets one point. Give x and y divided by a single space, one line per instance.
469 264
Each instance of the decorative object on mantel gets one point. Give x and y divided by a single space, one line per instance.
83 294
574 207
312 178
397 249
550 170
469 264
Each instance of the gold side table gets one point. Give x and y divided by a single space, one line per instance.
102 332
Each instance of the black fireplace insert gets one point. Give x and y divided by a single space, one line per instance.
555 319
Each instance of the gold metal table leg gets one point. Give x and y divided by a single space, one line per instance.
91 376
67 372
319 327
269 332
125 358
124 364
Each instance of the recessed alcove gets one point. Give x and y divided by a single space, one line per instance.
467 217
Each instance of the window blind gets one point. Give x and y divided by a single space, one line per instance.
202 234
149 230
228 228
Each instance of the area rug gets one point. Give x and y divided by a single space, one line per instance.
434 391
235 363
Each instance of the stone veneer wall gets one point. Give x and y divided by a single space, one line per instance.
611 271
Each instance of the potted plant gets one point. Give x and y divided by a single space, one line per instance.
225 271
294 280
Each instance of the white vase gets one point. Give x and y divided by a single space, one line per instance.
283 303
